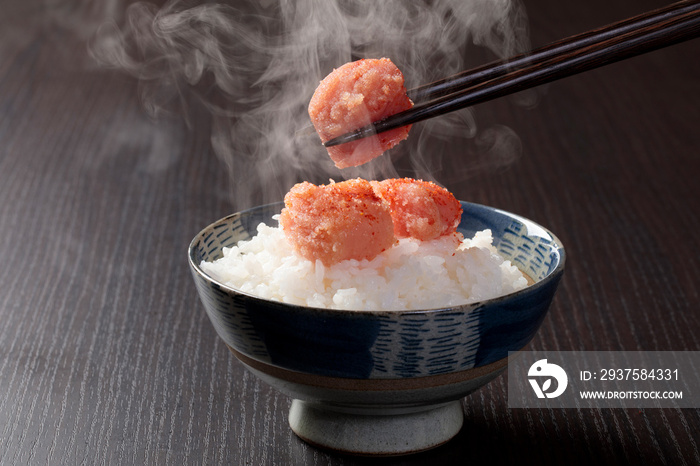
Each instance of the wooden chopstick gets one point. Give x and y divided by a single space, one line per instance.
635 36
496 69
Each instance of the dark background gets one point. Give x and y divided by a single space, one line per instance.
106 355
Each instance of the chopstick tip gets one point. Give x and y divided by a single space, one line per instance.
360 133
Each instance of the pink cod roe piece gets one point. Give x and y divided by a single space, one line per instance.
420 209
355 95
336 222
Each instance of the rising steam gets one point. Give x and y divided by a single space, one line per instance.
255 66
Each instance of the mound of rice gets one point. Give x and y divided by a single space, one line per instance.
411 275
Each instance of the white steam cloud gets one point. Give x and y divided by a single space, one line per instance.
255 65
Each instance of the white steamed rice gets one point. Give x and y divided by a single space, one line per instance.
411 275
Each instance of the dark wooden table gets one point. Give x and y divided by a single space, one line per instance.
106 355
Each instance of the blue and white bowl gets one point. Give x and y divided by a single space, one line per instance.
381 382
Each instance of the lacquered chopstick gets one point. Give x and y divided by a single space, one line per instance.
660 29
499 68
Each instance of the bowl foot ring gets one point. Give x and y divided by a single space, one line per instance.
393 432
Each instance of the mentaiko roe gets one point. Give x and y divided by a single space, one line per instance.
356 95
359 219
420 209
336 222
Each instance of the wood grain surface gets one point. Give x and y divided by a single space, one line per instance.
106 354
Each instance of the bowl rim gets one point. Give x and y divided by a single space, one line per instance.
553 275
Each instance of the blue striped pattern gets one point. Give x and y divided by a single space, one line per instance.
534 255
383 345
426 344
230 319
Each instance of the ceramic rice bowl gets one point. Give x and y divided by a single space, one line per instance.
381 382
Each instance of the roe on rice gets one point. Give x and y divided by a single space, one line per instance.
412 274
